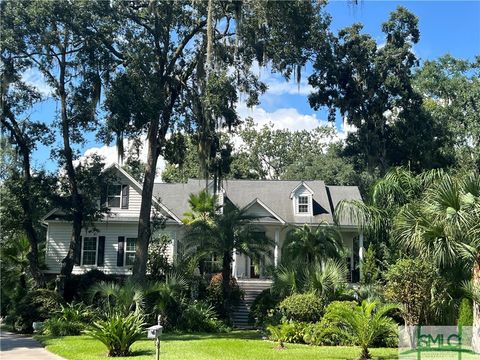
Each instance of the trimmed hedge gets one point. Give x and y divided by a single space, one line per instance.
302 308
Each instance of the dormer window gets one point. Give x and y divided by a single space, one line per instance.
302 200
303 205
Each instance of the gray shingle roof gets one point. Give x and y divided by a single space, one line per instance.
273 193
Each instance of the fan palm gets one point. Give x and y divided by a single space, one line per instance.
374 217
222 233
203 208
445 226
310 245
326 281
123 298
387 195
367 323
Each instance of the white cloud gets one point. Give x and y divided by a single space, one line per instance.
278 85
283 118
110 155
35 78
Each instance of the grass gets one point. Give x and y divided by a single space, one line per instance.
241 345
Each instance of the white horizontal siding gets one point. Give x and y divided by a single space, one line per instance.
58 240
134 201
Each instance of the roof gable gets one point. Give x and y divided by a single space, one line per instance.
259 209
299 187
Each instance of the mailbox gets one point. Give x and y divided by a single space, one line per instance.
154 332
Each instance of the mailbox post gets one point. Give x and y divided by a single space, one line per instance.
154 332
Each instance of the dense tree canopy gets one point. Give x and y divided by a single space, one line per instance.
371 86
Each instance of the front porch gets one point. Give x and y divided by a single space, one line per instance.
246 268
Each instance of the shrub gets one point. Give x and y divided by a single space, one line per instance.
465 313
158 263
410 282
302 307
262 307
290 332
370 267
216 297
76 312
77 286
118 332
326 332
37 305
368 323
56 326
201 317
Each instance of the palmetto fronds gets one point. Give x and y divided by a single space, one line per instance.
326 280
123 298
223 232
444 223
367 322
309 245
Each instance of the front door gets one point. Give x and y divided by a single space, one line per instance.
255 269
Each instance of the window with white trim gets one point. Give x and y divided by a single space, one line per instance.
303 205
89 250
114 195
130 249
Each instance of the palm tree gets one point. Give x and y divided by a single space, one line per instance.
375 216
326 281
123 298
445 226
310 245
367 323
203 208
223 232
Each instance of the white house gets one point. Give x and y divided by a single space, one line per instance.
110 245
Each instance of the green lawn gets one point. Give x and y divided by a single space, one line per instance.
241 345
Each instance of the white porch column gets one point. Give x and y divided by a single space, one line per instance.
361 250
234 263
275 250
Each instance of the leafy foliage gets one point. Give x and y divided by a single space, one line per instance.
200 317
216 296
290 332
302 308
118 332
262 307
308 245
366 323
213 232
370 272
451 87
36 305
123 298
326 332
158 264
60 327
327 281
410 283
358 78
465 313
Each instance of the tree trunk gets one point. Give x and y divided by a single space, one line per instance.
226 279
26 195
76 198
28 227
476 307
365 354
144 227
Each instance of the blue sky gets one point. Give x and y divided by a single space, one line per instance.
445 27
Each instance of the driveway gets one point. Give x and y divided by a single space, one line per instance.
21 347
